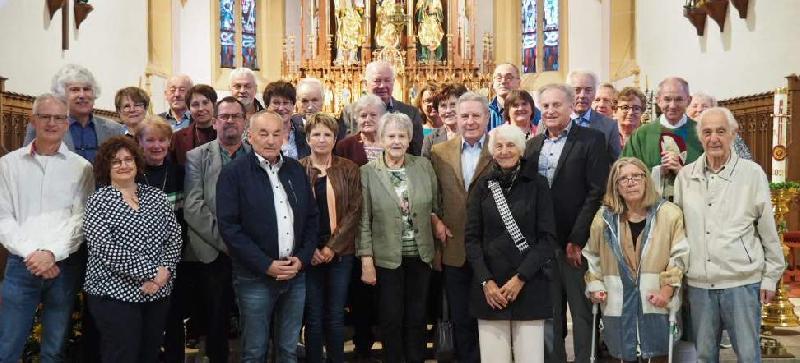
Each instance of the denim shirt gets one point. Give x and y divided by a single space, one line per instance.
84 138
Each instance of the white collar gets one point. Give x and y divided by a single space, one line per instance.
663 121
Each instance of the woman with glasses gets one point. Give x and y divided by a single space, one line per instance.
636 256
134 244
131 104
280 97
628 112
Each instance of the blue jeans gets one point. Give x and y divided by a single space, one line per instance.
326 295
260 299
736 309
22 293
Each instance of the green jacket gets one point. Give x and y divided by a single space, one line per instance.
381 222
645 142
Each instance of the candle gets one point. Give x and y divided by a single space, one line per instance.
779 136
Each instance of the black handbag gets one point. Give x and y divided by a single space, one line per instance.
445 345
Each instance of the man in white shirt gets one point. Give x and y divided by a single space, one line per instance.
43 190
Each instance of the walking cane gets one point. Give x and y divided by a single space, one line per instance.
593 357
673 330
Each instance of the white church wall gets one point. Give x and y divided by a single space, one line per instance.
588 36
32 46
750 56
195 40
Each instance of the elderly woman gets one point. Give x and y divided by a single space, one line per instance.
201 100
628 112
519 112
509 241
134 245
637 254
445 103
131 104
280 97
701 102
430 115
364 146
336 184
400 199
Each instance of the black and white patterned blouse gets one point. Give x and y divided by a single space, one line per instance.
127 246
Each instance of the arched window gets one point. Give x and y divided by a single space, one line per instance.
237 34
540 21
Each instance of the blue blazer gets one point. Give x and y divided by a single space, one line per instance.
246 214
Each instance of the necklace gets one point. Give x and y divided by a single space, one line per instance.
163 183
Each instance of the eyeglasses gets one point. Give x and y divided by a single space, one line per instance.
626 108
58 119
116 163
129 107
230 116
631 179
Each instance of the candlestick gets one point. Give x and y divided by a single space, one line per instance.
779 152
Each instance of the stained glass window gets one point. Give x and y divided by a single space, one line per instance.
540 21
249 57
551 37
227 34
529 36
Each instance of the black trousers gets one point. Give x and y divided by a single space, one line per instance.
181 299
403 295
363 311
213 285
458 282
130 332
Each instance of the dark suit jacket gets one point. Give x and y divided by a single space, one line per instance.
415 148
246 214
303 149
446 162
610 130
579 181
438 135
105 129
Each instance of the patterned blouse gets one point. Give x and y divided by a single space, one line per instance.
127 246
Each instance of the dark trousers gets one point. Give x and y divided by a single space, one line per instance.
215 286
457 282
180 300
363 311
568 287
326 295
130 332
403 295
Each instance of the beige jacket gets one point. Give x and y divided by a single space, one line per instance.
730 226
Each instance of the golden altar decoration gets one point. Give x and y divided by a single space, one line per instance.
780 311
339 38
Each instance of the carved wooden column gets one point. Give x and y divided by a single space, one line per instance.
2 113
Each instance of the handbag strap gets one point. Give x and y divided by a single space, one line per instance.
505 213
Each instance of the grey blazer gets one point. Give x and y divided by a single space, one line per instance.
435 137
348 119
609 129
203 165
105 130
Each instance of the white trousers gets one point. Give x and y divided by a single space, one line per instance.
511 341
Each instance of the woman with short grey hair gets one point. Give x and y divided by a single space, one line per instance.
364 146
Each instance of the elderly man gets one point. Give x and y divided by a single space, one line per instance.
458 163
269 220
244 87
505 79
736 258
178 114
605 99
43 190
206 257
701 102
310 99
575 162
585 85
379 81
85 131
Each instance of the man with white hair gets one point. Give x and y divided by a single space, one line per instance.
175 91
585 85
86 132
459 162
703 101
43 190
310 100
379 80
244 87
736 260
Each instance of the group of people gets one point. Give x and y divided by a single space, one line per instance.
509 210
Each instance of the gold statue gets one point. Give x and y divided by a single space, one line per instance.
349 32
386 31
429 19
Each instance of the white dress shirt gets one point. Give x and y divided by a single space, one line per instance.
42 200
283 210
